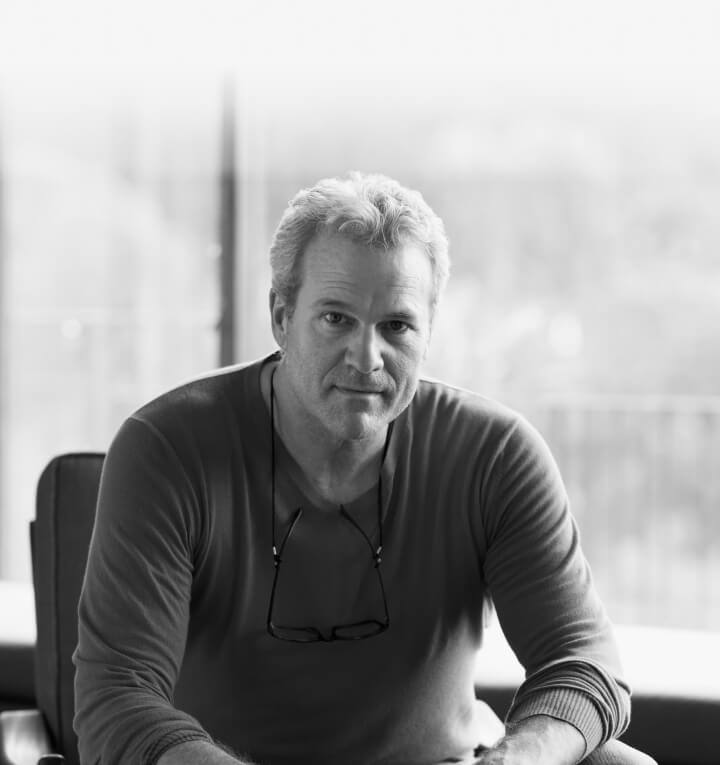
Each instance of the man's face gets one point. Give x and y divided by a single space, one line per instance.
356 339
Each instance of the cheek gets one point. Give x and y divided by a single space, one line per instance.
414 353
406 368
316 364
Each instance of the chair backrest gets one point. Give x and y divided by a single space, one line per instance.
60 537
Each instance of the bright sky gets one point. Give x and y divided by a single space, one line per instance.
657 49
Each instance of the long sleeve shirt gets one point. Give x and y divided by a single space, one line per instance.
173 644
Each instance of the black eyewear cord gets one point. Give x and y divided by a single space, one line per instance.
360 630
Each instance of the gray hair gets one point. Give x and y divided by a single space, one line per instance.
370 209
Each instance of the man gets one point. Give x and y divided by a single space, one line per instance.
291 557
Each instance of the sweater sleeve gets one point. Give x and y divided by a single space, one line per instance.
134 605
542 588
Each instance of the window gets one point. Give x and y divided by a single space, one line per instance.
579 184
110 263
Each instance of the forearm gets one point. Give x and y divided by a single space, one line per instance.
537 739
198 753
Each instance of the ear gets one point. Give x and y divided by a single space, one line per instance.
278 318
426 350
431 324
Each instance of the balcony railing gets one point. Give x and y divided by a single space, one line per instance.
643 475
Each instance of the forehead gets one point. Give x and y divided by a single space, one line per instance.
334 266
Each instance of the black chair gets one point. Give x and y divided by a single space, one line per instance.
59 539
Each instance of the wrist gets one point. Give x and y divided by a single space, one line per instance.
199 752
535 739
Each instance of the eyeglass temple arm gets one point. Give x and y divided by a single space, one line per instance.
376 553
277 555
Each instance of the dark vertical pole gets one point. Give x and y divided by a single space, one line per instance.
3 348
228 225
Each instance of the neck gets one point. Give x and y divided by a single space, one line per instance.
338 470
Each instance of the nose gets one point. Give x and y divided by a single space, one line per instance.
364 351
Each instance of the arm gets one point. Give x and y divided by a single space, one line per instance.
134 606
198 753
542 588
537 739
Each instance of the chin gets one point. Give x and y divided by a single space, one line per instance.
359 429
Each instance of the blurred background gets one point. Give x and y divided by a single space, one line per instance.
572 149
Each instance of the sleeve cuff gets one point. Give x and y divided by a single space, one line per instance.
571 706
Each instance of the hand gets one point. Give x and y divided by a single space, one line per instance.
537 740
504 754
509 752
197 753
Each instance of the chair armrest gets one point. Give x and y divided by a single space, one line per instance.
24 738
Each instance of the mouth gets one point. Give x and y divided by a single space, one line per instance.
359 391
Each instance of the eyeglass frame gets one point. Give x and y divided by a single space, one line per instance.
314 635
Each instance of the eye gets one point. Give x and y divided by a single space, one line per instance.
333 317
397 327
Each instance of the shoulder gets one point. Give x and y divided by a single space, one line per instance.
200 417
218 394
442 406
457 418
204 391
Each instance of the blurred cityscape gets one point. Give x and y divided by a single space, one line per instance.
585 291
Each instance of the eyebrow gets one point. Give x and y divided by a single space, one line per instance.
331 303
340 305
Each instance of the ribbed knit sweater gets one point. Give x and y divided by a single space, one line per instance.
173 644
